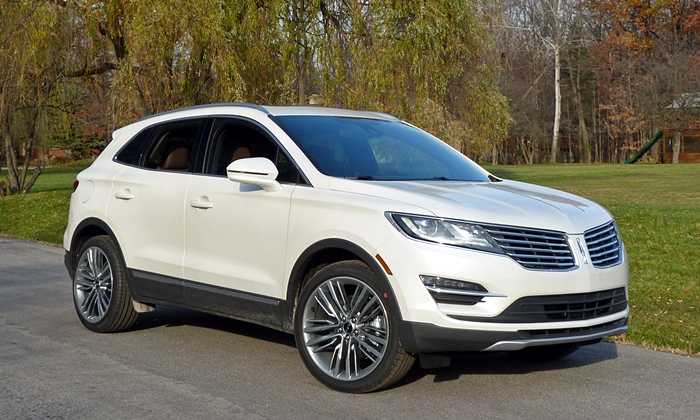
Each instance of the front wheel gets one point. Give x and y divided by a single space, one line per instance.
346 332
100 291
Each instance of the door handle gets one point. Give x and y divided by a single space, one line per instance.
124 195
198 204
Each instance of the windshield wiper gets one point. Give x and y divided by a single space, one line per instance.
362 177
442 178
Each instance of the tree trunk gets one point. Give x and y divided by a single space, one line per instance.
582 130
11 158
301 100
557 104
528 149
28 148
596 135
676 145
35 176
141 107
16 174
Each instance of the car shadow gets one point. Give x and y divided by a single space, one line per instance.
500 363
467 363
168 316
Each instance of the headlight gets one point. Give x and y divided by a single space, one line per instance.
446 232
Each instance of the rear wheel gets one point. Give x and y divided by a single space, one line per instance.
100 291
545 353
345 330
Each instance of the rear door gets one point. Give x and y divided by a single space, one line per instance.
146 208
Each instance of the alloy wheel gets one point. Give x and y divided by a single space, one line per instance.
345 328
93 284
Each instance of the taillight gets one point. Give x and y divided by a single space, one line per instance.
75 185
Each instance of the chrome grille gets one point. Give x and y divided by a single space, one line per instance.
533 248
603 245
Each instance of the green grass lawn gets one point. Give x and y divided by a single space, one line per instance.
657 208
42 214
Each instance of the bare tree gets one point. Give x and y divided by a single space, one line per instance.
550 24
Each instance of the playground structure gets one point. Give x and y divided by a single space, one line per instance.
645 148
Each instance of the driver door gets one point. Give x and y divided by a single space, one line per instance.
236 234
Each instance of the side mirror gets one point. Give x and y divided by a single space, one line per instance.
256 171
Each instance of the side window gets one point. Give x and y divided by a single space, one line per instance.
167 147
172 146
233 140
130 153
288 172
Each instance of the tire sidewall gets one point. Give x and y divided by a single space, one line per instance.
359 271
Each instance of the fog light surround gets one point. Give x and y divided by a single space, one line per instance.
445 290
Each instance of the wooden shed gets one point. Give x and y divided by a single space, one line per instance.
690 146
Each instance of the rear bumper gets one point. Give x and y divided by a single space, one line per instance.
418 337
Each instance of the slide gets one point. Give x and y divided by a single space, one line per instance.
646 148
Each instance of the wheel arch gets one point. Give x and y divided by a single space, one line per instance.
329 251
86 229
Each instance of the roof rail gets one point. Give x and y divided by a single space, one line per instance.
241 104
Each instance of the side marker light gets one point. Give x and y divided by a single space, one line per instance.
384 266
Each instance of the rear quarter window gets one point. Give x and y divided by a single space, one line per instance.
131 152
167 146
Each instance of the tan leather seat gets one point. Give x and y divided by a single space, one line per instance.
177 160
240 153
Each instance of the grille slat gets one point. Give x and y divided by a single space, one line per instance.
519 248
595 252
604 245
545 264
553 257
613 260
542 235
516 241
605 240
602 255
533 248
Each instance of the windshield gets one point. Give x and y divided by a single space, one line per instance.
369 149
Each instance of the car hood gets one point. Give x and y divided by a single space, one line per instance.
505 203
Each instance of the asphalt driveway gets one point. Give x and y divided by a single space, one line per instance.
181 364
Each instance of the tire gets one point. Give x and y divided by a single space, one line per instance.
100 291
545 353
346 332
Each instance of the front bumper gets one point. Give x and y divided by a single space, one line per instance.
419 337
507 282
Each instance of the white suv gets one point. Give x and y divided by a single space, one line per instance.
370 240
